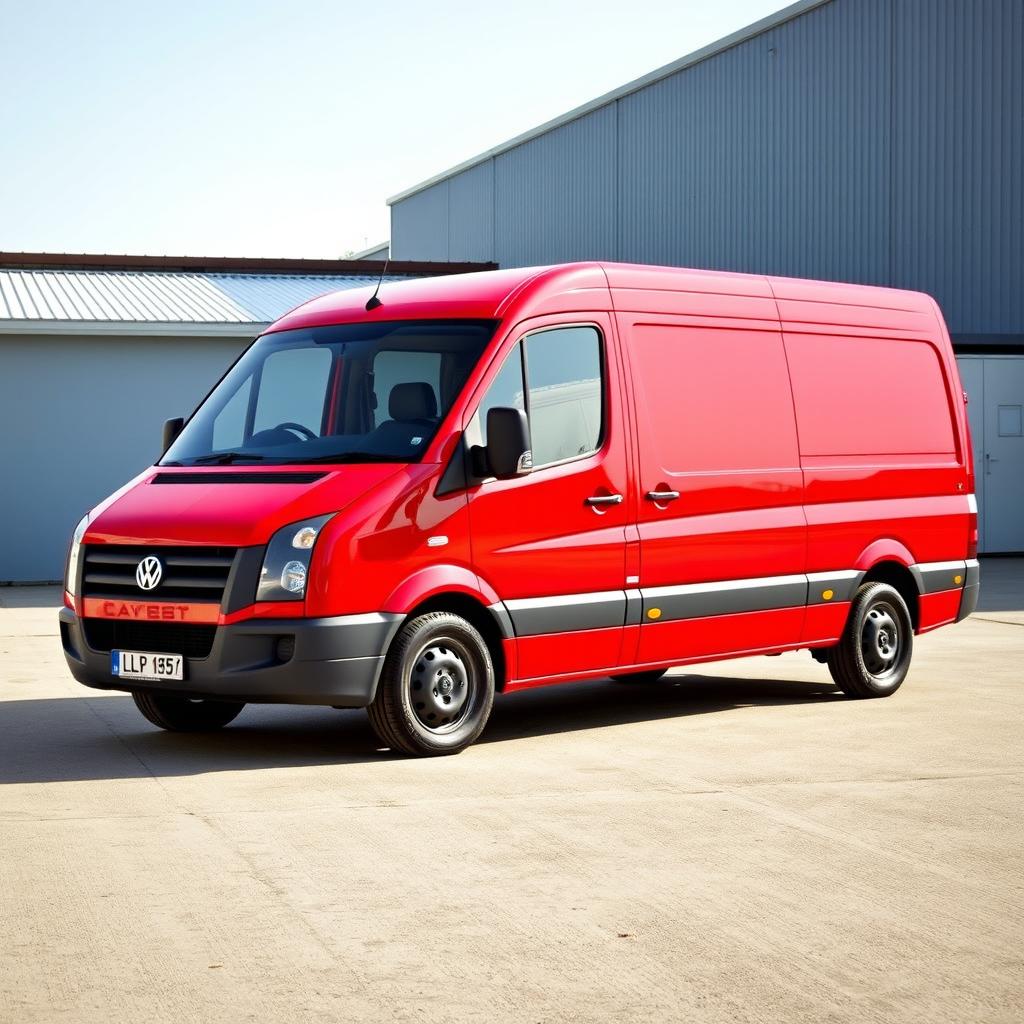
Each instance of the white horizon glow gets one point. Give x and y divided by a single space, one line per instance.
262 129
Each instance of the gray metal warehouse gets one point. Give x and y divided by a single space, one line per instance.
873 141
97 351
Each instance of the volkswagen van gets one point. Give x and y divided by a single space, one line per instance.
472 485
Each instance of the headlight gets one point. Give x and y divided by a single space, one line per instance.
71 576
285 569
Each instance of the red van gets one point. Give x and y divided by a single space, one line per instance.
485 483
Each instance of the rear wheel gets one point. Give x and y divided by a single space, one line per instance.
651 676
873 656
436 689
183 714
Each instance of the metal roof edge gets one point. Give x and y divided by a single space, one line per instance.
134 328
712 49
230 264
364 253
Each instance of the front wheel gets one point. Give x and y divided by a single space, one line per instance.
873 656
436 688
182 714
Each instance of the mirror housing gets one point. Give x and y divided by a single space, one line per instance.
172 428
508 443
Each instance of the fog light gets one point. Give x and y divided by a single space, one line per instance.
293 577
285 648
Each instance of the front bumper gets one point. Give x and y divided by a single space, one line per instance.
336 661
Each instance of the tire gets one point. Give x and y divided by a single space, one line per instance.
651 676
181 714
436 688
873 656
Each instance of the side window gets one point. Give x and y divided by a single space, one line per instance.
292 388
563 369
229 423
506 391
391 367
563 398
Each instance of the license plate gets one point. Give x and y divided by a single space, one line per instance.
142 665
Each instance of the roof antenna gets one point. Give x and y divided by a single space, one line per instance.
373 302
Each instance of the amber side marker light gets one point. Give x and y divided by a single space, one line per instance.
654 613
958 580
827 595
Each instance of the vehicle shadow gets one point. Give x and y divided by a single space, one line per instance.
105 737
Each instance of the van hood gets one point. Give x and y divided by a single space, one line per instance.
228 506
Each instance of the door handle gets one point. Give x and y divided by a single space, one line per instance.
605 499
662 495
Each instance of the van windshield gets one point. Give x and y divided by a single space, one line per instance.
348 393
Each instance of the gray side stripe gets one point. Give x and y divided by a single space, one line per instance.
504 620
695 600
634 607
842 584
567 613
536 615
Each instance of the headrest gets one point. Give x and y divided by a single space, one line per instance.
413 400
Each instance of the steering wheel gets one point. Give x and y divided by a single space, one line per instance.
297 428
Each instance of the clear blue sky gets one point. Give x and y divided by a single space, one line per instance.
279 129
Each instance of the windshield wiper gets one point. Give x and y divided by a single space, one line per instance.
226 458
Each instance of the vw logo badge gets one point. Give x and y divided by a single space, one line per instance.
149 572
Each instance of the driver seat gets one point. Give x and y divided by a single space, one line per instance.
413 411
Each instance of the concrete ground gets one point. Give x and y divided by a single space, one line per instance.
734 844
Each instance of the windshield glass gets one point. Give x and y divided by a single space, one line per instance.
349 393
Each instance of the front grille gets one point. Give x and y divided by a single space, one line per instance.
189 574
161 638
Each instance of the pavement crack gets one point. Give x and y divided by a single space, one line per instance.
1001 622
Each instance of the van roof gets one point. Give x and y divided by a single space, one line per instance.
567 287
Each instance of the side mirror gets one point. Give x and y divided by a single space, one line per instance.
508 443
172 428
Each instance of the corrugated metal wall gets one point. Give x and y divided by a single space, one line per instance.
81 417
879 141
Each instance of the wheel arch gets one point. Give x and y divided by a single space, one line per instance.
901 578
457 589
478 615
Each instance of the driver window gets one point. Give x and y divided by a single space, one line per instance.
293 386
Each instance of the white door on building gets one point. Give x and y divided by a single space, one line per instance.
995 389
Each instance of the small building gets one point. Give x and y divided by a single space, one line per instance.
872 141
97 351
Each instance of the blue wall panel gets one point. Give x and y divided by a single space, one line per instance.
958 218
554 196
878 141
471 214
422 226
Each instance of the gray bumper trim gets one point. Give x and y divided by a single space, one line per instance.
336 661
972 588
934 577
